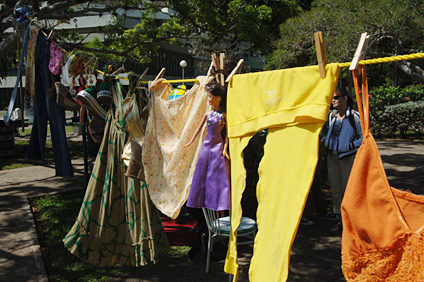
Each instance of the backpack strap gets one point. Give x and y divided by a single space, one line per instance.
352 121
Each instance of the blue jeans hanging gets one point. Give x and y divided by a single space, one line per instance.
18 76
46 109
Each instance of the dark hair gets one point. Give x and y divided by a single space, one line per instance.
344 93
215 88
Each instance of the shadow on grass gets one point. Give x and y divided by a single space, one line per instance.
55 214
19 159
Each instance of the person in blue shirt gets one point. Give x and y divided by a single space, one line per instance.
343 139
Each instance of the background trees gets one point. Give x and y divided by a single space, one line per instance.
281 29
396 27
204 26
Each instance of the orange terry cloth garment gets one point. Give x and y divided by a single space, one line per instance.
293 104
383 227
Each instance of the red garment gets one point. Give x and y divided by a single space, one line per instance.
383 227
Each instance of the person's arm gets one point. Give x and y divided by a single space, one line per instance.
226 138
197 130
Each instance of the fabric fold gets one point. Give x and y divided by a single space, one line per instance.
117 224
293 104
169 167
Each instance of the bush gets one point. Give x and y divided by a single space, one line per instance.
392 110
401 118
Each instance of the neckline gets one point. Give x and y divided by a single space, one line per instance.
404 223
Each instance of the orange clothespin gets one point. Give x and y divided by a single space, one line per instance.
234 71
361 50
321 53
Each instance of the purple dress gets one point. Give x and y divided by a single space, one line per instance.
210 185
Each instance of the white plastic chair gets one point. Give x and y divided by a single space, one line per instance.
221 227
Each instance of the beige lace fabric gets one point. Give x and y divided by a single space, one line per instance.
168 166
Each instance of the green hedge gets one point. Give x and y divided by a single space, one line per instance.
396 110
401 118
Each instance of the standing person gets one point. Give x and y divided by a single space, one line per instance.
343 139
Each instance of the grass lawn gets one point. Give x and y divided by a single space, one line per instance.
55 215
19 159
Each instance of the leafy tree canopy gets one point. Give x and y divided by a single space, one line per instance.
395 27
204 26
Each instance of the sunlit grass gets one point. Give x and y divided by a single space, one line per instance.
55 215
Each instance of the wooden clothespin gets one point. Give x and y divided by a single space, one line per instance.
160 74
234 71
321 53
143 74
221 64
215 62
50 34
210 69
118 71
72 53
361 50
139 86
91 61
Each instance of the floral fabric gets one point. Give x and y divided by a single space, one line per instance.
56 58
168 166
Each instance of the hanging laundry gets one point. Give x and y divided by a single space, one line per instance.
30 65
22 58
48 110
136 126
66 79
57 55
293 104
167 165
383 227
117 223
177 92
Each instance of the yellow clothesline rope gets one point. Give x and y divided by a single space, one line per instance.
341 65
385 59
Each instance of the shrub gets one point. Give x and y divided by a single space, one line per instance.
387 120
401 118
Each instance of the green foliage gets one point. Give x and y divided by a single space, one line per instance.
395 109
383 96
396 27
229 25
402 118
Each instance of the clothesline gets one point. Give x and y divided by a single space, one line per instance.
385 59
342 65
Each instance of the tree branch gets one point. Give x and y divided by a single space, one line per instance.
7 43
412 70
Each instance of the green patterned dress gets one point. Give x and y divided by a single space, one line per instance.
117 223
